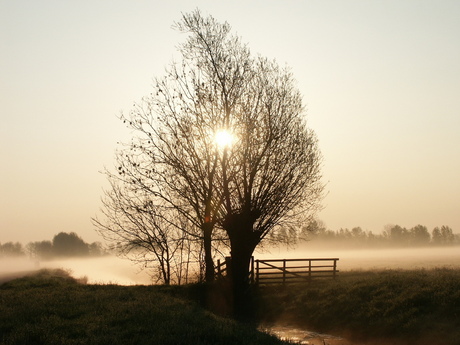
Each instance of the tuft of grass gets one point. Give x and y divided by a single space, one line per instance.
53 308
410 306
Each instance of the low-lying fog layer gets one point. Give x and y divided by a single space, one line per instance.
120 271
410 258
103 270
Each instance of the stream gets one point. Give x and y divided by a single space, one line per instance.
304 337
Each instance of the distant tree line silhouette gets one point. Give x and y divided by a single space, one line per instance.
71 245
63 245
11 249
392 236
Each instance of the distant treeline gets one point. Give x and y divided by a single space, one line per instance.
63 245
71 245
393 235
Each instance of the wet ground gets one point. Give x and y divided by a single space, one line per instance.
300 336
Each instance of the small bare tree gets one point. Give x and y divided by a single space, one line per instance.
147 233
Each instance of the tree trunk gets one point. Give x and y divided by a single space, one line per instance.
242 301
243 241
209 262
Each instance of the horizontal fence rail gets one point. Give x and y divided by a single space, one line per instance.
284 271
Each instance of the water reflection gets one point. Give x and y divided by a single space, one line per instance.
300 336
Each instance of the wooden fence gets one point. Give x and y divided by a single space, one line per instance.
285 271
221 267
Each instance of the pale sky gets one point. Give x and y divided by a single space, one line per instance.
380 79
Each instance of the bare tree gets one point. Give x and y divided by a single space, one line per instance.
267 178
273 178
145 232
175 157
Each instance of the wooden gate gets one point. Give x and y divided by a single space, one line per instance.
285 271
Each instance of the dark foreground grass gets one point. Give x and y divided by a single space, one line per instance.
388 307
52 308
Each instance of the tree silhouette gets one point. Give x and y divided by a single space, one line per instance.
69 244
147 233
267 179
397 235
443 235
11 249
420 235
40 249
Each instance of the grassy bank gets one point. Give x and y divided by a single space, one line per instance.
388 307
52 308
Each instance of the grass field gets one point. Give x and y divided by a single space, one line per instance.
52 308
376 307
366 307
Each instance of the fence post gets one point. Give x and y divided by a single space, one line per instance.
309 270
335 267
252 270
284 272
257 272
219 273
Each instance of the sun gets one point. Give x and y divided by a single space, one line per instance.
223 138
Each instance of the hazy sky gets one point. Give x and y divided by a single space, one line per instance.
381 81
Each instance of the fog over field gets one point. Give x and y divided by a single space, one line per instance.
367 259
102 270
114 270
